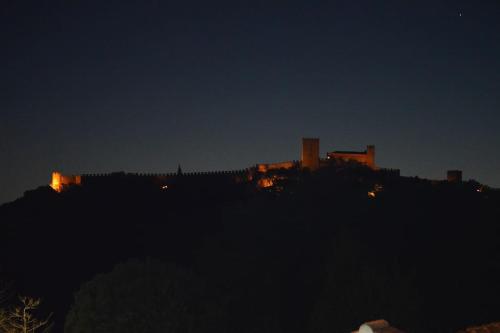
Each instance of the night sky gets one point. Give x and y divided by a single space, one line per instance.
143 86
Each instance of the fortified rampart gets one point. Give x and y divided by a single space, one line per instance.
366 157
163 180
60 181
265 167
262 175
310 160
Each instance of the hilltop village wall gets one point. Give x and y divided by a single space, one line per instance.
310 159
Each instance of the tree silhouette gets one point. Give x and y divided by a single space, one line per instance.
138 296
22 320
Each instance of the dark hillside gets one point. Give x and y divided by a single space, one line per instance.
314 253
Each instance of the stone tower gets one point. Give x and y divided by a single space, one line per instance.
454 176
310 153
60 182
370 156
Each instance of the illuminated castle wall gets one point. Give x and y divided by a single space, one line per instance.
60 181
265 167
310 160
366 157
310 153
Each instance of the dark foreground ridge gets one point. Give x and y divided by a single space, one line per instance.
320 251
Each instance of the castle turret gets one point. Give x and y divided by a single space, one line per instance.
56 183
60 181
310 153
370 156
454 176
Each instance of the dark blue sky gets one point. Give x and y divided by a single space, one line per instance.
142 86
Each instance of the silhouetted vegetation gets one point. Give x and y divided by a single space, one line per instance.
139 296
314 253
21 317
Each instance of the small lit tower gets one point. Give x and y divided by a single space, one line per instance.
56 182
454 176
370 156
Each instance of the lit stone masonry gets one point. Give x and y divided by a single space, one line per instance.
265 175
366 157
310 153
60 182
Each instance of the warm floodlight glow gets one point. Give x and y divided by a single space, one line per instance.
376 189
56 181
266 182
59 181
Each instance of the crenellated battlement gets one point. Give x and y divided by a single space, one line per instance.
167 175
310 160
61 182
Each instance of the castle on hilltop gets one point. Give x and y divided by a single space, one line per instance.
310 160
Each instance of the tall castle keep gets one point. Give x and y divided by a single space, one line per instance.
310 160
310 154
